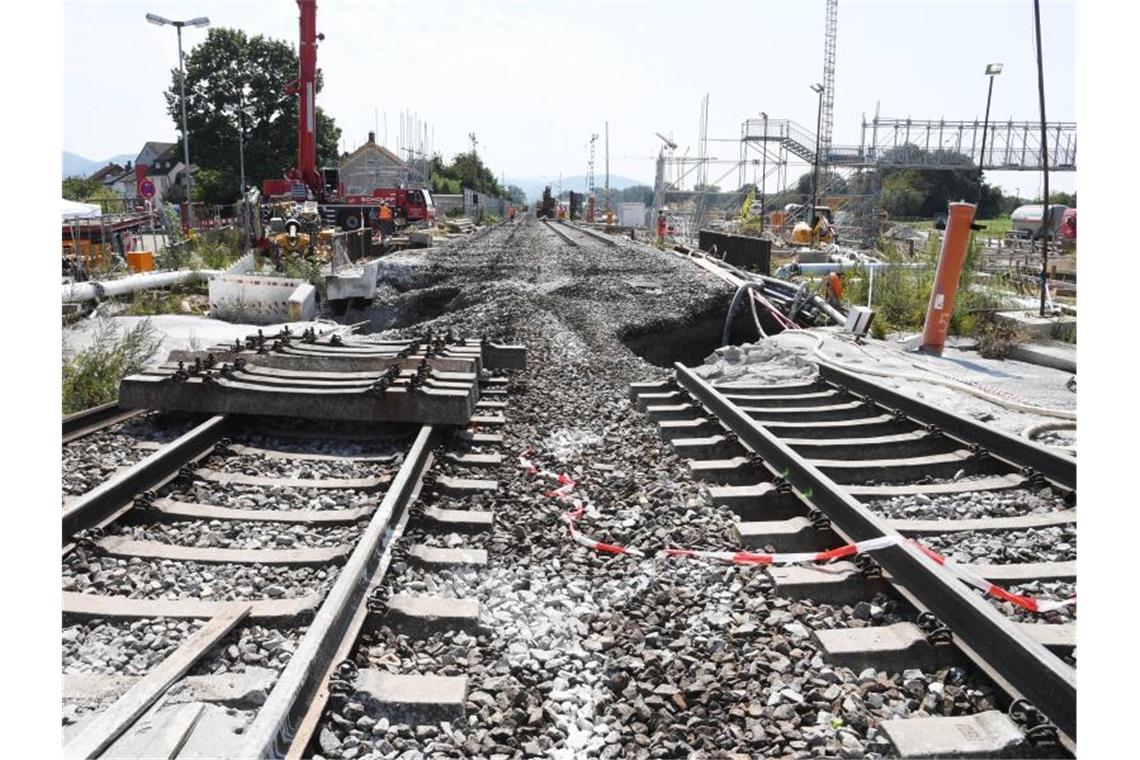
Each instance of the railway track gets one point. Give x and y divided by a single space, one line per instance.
569 629
274 533
839 460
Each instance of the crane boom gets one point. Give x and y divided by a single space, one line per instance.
307 91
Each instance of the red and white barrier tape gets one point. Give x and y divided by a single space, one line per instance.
1032 604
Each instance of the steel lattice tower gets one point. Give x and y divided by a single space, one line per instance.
828 79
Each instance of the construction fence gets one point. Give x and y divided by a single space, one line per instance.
476 205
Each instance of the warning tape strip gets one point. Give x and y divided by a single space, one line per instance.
568 485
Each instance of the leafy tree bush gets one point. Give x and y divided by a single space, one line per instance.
91 377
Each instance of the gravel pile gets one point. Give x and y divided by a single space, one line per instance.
238 496
587 654
320 446
92 459
123 648
232 534
272 467
1054 544
1053 591
257 646
1011 503
163 579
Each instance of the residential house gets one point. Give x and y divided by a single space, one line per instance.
166 170
371 166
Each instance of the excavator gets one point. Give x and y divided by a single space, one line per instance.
805 234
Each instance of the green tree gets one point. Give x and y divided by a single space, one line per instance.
516 195
465 170
80 188
216 72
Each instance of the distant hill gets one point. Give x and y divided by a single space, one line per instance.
533 186
75 165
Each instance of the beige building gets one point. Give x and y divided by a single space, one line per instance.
371 166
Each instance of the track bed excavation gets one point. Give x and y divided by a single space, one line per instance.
611 553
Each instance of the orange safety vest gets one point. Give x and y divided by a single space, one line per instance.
385 214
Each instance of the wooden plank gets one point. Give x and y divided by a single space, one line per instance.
103 730
160 734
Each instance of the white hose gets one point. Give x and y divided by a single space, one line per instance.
1065 414
1038 428
755 317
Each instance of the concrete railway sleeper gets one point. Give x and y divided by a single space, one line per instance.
288 561
796 480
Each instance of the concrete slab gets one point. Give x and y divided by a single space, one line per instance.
894 648
218 731
425 615
988 734
459 487
834 583
438 557
245 689
1031 323
1055 354
983 524
122 607
795 534
662 398
1026 571
412 699
673 412
222 396
735 471
707 447
255 299
357 281
458 520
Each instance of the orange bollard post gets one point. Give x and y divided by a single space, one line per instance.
954 246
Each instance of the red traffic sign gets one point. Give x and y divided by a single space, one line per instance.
146 188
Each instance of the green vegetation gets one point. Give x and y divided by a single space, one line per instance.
307 269
92 376
149 303
900 296
216 71
213 249
465 170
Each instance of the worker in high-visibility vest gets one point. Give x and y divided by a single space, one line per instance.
661 227
387 226
511 213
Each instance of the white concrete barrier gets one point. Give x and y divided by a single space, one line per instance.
258 299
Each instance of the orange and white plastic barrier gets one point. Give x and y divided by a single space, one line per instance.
568 485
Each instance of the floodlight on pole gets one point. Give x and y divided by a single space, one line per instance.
818 90
763 171
200 21
992 70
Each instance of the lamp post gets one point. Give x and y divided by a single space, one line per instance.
242 94
818 89
201 21
763 169
992 70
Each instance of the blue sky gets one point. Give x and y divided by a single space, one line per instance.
534 80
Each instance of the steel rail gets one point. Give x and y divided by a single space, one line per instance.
278 719
107 501
560 233
1019 664
96 418
1018 451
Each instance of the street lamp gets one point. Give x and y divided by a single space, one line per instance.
818 89
763 169
992 70
243 93
201 21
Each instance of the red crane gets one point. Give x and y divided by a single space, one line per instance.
305 86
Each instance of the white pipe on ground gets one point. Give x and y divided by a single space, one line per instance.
92 291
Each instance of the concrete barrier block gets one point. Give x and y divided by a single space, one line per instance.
302 304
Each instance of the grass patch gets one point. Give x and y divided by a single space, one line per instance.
901 296
91 377
149 303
